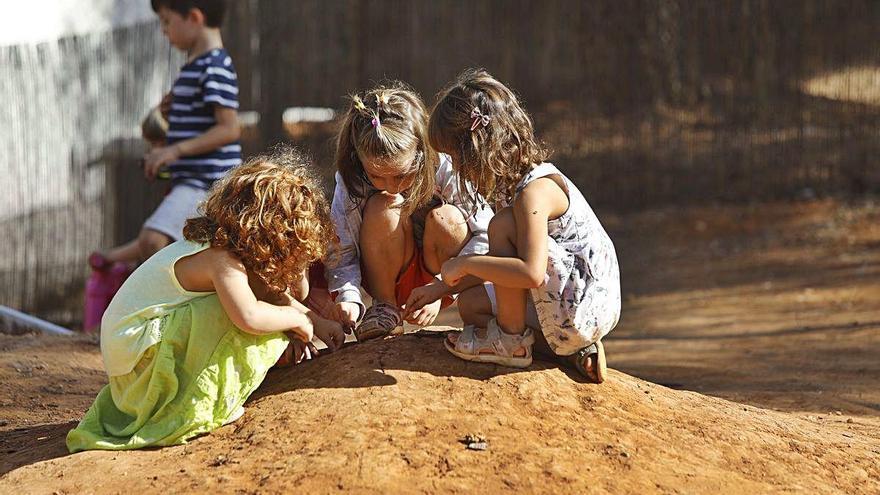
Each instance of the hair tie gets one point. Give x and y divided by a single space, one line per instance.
376 122
479 118
382 99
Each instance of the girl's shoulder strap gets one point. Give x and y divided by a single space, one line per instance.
538 171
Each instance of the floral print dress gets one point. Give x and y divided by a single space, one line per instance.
579 302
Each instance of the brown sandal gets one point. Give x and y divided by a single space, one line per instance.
589 362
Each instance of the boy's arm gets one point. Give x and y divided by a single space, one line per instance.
225 131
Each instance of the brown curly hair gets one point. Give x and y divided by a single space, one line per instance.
403 121
269 213
492 159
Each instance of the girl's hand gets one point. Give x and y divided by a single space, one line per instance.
299 351
347 313
453 271
423 296
158 158
426 315
330 332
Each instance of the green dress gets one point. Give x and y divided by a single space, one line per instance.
193 380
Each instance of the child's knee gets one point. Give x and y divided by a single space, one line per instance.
382 205
448 222
446 233
502 224
502 232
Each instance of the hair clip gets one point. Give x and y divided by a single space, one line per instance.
358 103
479 118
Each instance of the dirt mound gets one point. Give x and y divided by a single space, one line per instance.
388 416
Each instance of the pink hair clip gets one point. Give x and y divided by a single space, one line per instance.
479 118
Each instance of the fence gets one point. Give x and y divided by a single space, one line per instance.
643 102
646 102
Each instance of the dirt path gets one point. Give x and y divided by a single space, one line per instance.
770 306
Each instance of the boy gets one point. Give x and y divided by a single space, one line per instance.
203 130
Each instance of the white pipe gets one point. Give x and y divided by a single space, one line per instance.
33 322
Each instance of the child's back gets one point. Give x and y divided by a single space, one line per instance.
152 291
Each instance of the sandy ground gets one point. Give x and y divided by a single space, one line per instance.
746 362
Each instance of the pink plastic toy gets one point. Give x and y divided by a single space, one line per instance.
102 285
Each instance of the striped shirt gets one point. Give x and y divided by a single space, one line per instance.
208 81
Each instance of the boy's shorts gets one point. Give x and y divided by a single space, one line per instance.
180 204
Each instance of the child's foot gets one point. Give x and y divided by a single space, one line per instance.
589 362
98 261
380 320
493 346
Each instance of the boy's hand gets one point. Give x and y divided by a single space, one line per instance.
426 315
423 296
158 158
453 271
330 332
347 313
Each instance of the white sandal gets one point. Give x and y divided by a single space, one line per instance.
382 319
496 347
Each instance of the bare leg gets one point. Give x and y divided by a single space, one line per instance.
129 252
151 241
446 233
511 302
387 244
474 307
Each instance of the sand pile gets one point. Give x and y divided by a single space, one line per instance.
389 416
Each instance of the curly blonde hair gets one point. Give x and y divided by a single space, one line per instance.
490 155
269 213
385 122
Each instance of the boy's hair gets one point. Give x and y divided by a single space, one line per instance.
154 127
269 213
481 124
213 10
385 122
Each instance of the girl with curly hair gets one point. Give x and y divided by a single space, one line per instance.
399 214
551 273
193 331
